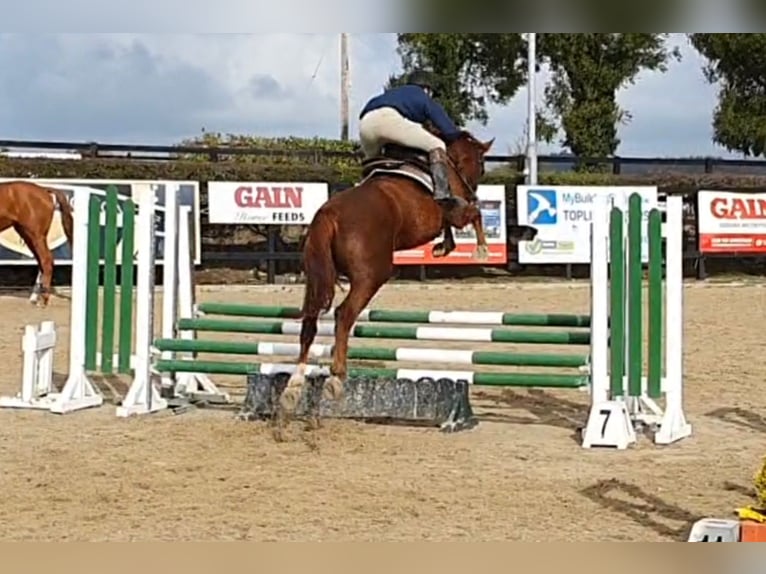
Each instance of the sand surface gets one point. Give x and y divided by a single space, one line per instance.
520 475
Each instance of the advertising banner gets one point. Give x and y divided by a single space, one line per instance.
731 222
13 250
562 215
492 206
264 203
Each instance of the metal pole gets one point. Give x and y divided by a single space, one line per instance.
344 86
531 111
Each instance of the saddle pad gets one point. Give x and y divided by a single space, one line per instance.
417 176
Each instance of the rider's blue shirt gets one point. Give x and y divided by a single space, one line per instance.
415 105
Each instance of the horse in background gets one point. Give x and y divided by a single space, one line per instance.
356 232
29 208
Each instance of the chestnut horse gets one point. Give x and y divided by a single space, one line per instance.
356 232
29 209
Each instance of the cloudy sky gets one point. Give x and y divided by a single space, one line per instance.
159 88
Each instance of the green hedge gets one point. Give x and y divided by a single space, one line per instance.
180 169
233 170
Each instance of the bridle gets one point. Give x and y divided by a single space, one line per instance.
472 191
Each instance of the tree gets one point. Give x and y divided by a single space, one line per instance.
738 63
587 70
474 69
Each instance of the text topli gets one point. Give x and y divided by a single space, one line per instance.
577 214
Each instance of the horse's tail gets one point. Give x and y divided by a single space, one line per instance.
66 214
319 266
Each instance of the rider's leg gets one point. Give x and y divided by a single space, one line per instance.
371 129
442 191
388 125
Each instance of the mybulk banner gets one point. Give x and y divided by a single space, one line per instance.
562 215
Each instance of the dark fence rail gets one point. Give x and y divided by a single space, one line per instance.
618 165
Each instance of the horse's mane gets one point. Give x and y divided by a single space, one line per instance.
463 134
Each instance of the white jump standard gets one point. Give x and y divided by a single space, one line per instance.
623 401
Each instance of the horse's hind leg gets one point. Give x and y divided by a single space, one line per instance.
292 393
39 248
359 295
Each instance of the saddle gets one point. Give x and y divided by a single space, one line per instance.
395 159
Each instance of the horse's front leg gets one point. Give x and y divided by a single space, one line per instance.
470 214
447 245
482 249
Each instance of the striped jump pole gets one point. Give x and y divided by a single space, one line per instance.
403 316
477 378
622 398
414 354
383 332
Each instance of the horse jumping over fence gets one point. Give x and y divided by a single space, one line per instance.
356 232
29 209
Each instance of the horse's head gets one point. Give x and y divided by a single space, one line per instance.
467 153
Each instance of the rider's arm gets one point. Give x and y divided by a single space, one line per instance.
441 120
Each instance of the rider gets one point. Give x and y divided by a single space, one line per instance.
397 116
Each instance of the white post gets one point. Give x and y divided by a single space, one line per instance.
142 396
44 347
186 284
78 306
599 293
192 386
78 392
609 424
170 272
531 110
38 347
673 426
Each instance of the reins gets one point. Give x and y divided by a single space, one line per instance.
472 193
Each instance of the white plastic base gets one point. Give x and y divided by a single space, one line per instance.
715 530
136 401
40 403
78 393
197 386
609 425
673 427
37 391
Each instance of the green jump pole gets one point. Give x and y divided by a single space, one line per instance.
91 289
635 303
616 302
654 382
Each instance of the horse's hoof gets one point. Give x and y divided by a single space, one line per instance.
481 253
439 250
292 393
333 389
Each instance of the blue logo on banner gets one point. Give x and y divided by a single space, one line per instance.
542 207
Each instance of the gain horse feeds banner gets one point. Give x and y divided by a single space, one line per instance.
562 215
13 250
492 208
731 222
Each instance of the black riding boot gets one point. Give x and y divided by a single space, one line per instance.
442 192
